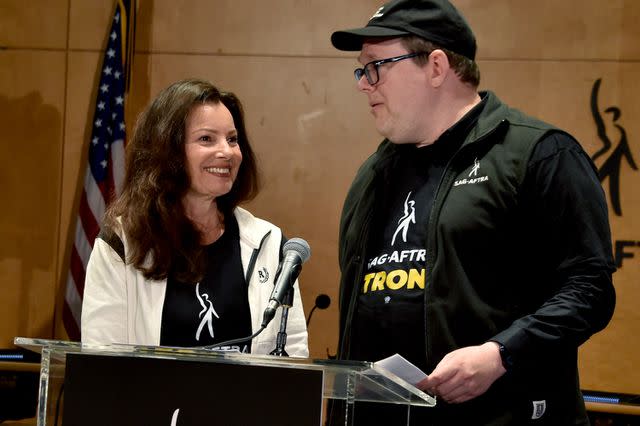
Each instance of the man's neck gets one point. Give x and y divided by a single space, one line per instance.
451 108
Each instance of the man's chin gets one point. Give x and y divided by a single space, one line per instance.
386 133
383 129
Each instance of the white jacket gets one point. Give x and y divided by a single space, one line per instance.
121 306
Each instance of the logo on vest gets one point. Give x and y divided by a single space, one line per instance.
263 275
539 407
473 177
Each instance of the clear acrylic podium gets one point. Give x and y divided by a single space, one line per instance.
348 381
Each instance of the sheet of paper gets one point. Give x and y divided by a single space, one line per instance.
402 368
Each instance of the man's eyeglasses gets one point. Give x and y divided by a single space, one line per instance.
370 70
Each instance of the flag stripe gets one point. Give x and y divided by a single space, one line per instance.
82 245
94 197
117 164
89 223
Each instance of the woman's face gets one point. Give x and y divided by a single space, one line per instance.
212 150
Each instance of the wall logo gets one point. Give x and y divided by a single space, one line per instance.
610 168
407 218
206 314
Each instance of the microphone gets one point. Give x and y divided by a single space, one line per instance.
322 302
296 252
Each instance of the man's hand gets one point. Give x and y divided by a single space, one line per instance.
465 373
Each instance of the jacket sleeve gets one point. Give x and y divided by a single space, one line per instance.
568 216
104 306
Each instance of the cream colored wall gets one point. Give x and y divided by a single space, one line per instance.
309 126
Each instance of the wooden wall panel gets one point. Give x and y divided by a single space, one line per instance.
558 30
505 28
89 22
31 110
33 23
277 27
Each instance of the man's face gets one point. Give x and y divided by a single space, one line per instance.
399 99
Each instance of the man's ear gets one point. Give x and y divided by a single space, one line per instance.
440 67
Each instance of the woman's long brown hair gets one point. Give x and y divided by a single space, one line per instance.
162 241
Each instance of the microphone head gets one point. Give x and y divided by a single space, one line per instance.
323 301
299 246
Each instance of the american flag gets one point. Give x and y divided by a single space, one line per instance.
105 170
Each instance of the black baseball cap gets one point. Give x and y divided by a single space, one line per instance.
437 21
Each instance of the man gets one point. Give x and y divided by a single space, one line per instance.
475 241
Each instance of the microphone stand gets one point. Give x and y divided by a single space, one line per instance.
281 339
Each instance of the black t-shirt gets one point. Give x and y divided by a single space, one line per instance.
217 308
390 313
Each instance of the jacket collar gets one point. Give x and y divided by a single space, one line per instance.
252 230
493 114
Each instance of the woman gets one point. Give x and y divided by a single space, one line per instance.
177 262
